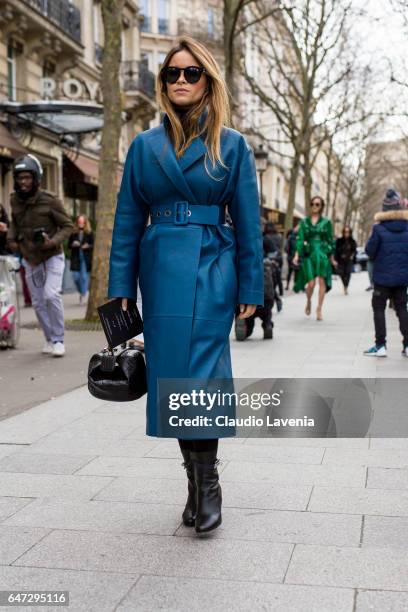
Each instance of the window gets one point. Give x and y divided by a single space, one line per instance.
48 68
145 11
163 16
146 59
160 59
11 72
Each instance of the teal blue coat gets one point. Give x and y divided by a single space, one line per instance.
191 276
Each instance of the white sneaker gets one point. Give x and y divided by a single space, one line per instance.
48 348
58 349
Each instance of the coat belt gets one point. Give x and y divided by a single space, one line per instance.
182 213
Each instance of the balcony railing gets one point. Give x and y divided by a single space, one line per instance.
136 76
62 13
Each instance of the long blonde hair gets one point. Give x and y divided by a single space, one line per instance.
87 224
215 99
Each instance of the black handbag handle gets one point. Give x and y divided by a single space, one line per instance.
108 359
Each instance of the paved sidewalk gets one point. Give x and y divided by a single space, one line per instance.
88 503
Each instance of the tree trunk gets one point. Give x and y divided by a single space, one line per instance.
307 179
231 13
294 173
109 159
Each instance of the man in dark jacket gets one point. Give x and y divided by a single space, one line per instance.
388 249
272 244
39 225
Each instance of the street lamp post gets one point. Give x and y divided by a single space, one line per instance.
261 162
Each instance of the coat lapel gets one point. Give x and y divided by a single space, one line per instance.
174 168
196 150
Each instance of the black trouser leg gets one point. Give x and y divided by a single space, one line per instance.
250 324
265 314
399 296
379 303
290 272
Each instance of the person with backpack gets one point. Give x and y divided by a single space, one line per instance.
387 247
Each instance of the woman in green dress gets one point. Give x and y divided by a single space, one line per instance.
314 255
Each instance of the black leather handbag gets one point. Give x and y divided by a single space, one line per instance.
117 375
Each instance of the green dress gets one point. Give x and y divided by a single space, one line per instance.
314 244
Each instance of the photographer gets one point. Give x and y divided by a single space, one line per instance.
39 225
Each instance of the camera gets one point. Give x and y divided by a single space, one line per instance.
38 236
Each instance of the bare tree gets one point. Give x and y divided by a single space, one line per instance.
236 21
109 159
304 48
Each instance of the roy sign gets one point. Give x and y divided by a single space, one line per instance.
71 88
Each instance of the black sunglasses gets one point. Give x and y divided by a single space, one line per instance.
316 204
192 74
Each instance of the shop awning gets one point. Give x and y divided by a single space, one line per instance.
9 146
59 117
90 169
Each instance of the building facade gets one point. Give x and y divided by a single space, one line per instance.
51 53
50 72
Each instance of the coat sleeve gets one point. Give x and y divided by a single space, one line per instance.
373 243
245 215
62 220
129 224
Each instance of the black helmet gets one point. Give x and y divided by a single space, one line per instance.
28 163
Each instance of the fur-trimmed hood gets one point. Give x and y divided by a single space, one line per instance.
391 215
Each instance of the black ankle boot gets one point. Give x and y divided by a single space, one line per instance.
189 514
209 497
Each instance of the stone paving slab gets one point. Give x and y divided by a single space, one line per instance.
18 484
284 526
10 505
386 443
381 601
387 478
152 593
88 591
41 420
135 466
235 494
33 463
309 442
392 458
386 531
368 568
353 500
15 541
255 453
161 555
116 517
293 474
86 444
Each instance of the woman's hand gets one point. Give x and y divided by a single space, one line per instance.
85 246
75 243
246 310
124 303
295 260
334 262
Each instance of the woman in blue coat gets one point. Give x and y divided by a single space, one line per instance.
192 267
